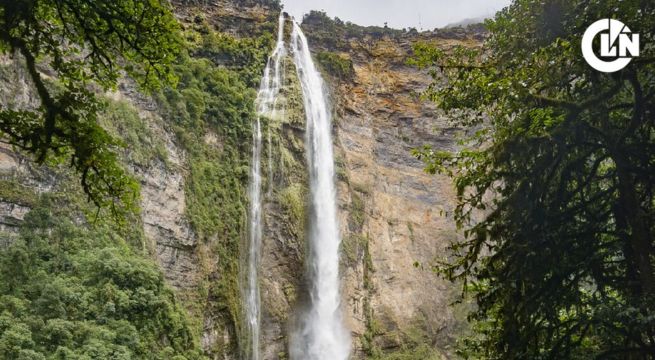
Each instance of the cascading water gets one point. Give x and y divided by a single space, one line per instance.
321 335
266 107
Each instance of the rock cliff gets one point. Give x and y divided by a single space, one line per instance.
394 217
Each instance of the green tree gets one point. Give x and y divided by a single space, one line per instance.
83 43
555 184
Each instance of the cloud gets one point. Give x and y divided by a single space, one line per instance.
425 14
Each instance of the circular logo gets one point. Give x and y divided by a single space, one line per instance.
616 41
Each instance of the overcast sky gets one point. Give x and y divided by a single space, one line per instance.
425 14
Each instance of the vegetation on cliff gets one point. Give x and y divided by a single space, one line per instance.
555 186
334 33
561 172
215 95
336 65
83 43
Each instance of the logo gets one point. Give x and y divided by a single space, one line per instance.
616 42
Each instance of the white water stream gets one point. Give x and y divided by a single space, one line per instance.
266 107
321 335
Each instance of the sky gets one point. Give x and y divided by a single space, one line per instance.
421 14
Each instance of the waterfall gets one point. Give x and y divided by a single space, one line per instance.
265 107
321 335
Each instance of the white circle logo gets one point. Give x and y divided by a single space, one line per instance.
616 41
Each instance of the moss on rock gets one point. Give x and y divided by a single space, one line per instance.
293 201
337 65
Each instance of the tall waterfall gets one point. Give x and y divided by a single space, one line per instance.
266 107
322 335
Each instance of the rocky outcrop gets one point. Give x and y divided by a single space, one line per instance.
169 234
402 207
243 18
19 178
168 231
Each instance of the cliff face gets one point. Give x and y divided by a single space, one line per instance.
394 217
392 293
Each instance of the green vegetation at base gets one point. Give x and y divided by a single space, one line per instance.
75 291
415 346
371 331
410 343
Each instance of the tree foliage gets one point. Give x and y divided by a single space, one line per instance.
555 184
81 43
73 292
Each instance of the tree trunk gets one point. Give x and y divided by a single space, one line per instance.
639 236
